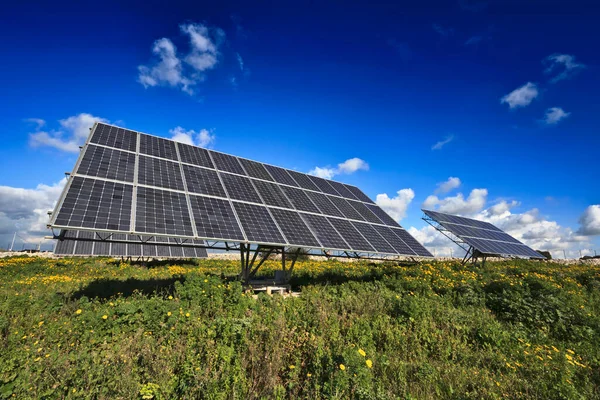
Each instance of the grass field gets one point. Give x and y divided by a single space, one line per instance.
94 328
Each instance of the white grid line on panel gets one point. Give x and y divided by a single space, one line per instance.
135 181
187 194
237 218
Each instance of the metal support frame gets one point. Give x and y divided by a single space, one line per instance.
250 264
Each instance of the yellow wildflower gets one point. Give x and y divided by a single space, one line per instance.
41 323
78 311
362 352
369 363
292 366
342 367
169 314
187 314
308 375
105 316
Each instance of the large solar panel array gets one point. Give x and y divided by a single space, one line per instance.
130 182
483 236
88 243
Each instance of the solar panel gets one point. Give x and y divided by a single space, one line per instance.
364 211
346 209
92 203
281 175
304 181
299 199
112 136
294 228
483 236
255 169
158 147
159 173
203 181
258 224
325 232
324 204
162 212
120 245
128 182
376 240
323 185
107 163
411 242
240 188
194 155
225 162
342 190
272 194
382 215
351 235
358 193
215 218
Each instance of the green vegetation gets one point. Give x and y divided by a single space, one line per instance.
93 328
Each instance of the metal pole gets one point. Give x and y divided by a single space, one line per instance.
565 254
451 255
13 242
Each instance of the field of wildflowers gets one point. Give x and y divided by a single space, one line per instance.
102 329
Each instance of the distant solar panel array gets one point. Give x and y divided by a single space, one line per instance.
483 236
88 243
133 183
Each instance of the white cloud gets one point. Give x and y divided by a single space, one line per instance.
202 138
25 211
442 143
555 114
72 133
474 40
563 64
348 167
590 221
445 187
444 32
458 204
396 206
185 71
240 61
38 122
521 97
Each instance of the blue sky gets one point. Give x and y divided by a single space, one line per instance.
306 85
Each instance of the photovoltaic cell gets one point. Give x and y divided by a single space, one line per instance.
325 232
194 155
240 188
304 181
383 216
112 136
364 211
258 224
323 203
84 248
107 163
412 242
255 169
160 173
376 240
272 194
455 219
323 185
162 212
294 228
299 199
347 210
281 175
157 147
351 235
468 231
225 162
203 181
358 193
214 218
92 203
342 190
394 240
